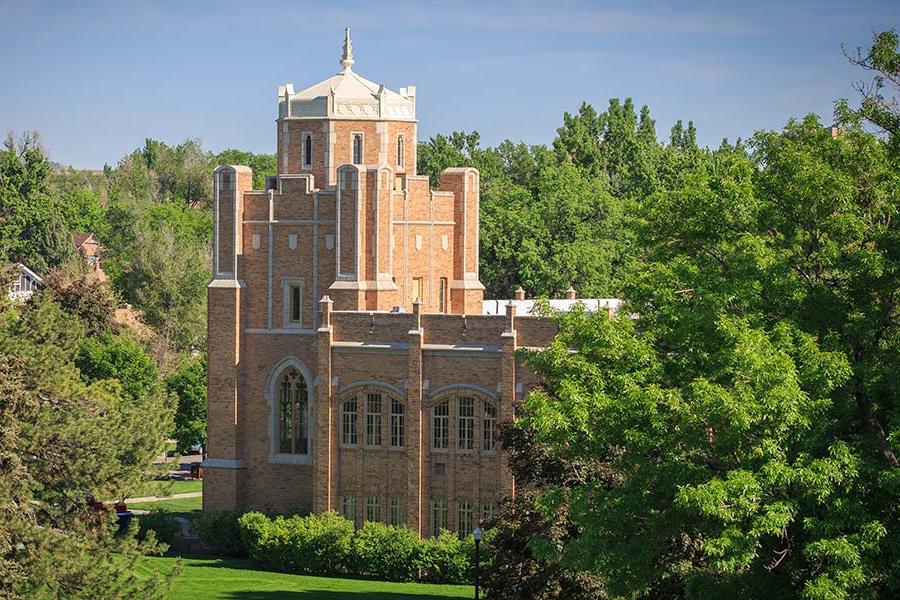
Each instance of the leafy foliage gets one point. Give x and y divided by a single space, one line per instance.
326 544
188 383
221 532
119 358
62 438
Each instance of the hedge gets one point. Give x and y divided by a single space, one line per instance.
162 524
221 533
326 544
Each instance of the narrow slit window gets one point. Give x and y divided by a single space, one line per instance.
357 148
400 151
295 304
307 150
442 295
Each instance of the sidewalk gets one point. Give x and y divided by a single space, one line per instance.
172 497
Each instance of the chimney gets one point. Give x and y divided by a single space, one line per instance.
520 293
570 293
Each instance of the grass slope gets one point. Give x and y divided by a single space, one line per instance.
167 487
176 505
208 578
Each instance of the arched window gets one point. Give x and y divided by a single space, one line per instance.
400 150
293 414
307 150
357 148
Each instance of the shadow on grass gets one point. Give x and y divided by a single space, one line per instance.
362 587
335 595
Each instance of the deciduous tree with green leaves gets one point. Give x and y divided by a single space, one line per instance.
738 436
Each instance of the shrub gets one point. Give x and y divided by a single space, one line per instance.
386 552
448 559
314 544
161 523
221 532
326 544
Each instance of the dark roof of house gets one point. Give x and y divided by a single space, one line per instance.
81 238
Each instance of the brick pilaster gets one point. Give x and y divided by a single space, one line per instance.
324 458
223 348
507 391
415 447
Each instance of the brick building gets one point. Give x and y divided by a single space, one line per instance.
353 362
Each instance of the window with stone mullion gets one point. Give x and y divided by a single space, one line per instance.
348 422
441 426
373 419
489 428
397 423
293 437
466 423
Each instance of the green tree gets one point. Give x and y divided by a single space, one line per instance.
188 384
87 299
263 165
118 357
880 104
60 439
159 261
739 437
32 226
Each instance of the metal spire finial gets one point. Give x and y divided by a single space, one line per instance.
347 58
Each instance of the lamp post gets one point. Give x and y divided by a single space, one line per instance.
477 535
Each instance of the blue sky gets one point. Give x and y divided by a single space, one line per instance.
97 78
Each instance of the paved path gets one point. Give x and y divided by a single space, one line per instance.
172 497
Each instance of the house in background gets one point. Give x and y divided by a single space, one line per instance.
90 250
24 285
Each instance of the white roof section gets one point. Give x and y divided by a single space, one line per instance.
23 269
347 95
527 307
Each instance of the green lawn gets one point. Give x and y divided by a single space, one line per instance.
176 505
167 487
233 579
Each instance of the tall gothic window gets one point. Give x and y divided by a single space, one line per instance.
396 510
293 414
438 515
397 419
373 419
441 435
307 150
348 422
357 148
466 423
489 428
465 517
400 151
